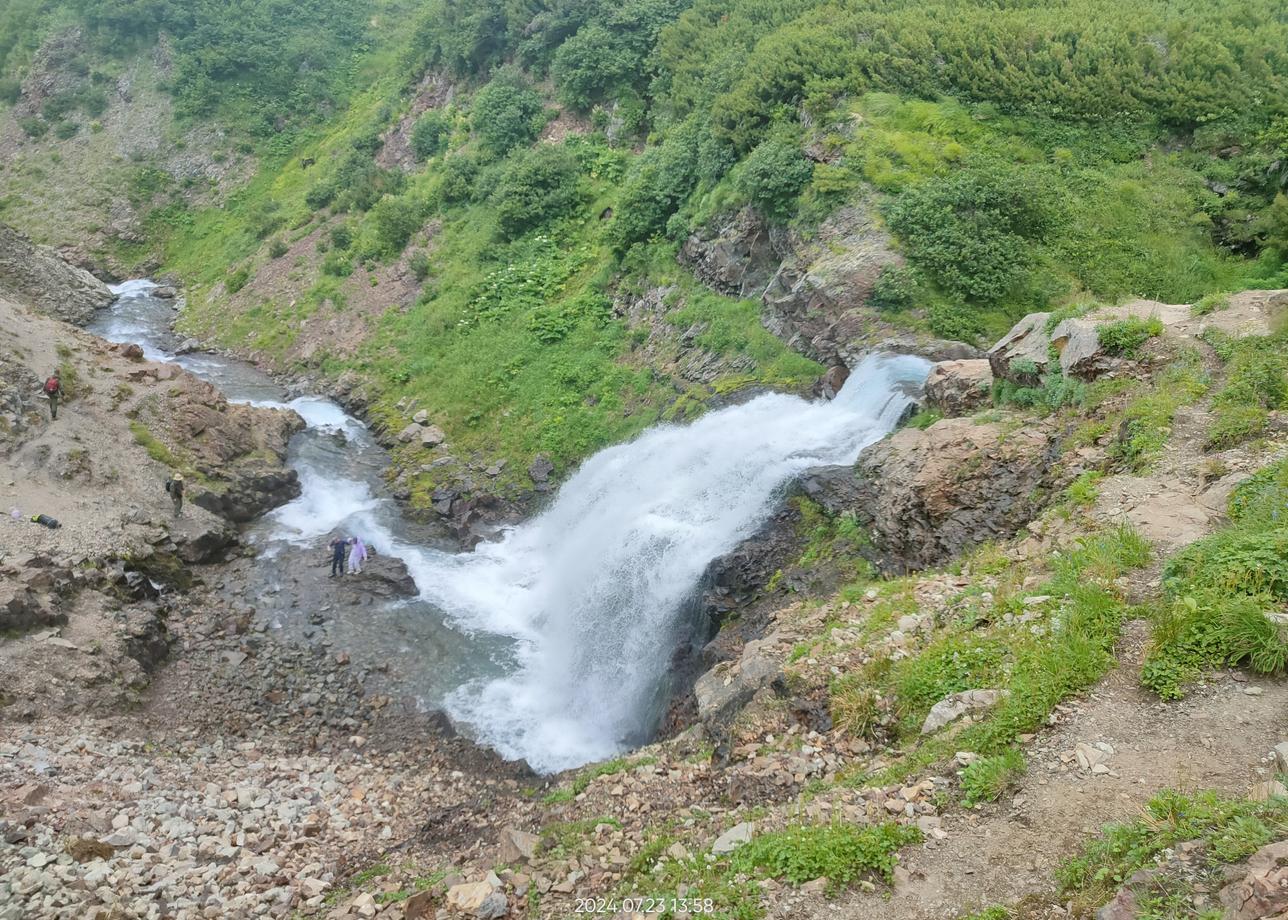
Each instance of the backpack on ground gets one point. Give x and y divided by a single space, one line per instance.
168 483
51 386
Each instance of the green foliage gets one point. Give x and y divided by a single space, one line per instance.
895 289
1228 829
924 419
395 219
1210 303
662 179
506 113
430 134
987 778
10 90
1126 336
839 852
592 65
277 249
33 126
772 177
1053 392
538 186
258 62
1146 422
1083 491
1256 384
1201 632
237 279
1226 593
972 231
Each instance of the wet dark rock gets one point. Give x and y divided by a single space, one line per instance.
540 469
251 492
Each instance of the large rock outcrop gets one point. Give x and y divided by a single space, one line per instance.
926 496
38 276
239 450
959 387
813 291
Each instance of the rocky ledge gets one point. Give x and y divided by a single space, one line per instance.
36 275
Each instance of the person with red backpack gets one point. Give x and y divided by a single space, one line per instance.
53 392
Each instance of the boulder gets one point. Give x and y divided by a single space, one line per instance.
1263 891
516 846
38 276
384 577
540 469
409 433
1022 355
832 381
926 496
432 436
733 838
421 417
952 708
479 899
813 290
960 387
1081 354
726 688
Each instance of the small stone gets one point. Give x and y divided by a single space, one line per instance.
733 838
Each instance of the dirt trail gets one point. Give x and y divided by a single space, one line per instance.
1218 738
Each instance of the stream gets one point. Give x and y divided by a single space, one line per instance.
554 643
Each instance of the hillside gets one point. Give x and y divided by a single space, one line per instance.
1018 655
480 209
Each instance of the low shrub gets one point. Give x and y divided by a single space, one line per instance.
430 134
987 778
538 186
1126 336
237 279
841 853
773 176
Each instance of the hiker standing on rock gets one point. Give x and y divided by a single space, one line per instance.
174 485
357 556
53 392
337 556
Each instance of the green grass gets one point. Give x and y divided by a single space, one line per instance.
1126 336
1068 656
1229 829
1145 424
155 448
841 853
988 778
1084 490
581 782
1256 384
1223 591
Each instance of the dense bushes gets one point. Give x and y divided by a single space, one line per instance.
260 61
538 186
773 176
430 134
662 180
972 231
506 114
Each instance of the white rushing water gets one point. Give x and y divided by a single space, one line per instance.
560 635
594 588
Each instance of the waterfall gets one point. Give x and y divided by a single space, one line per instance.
554 643
592 590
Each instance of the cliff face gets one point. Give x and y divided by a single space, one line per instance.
36 275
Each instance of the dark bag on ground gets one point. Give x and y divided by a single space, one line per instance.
46 521
168 483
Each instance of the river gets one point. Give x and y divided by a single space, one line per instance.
554 643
